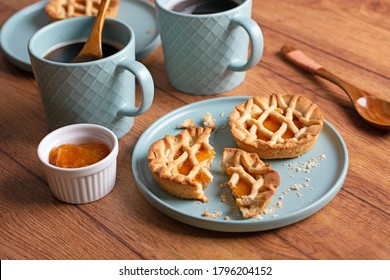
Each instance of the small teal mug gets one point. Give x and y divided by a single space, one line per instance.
99 92
207 54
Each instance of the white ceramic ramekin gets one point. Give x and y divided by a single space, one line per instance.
84 184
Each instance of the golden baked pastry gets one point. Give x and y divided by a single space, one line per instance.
252 182
276 126
180 164
60 9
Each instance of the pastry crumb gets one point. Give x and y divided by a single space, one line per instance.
186 124
268 211
307 166
208 121
214 215
297 187
222 185
258 217
302 167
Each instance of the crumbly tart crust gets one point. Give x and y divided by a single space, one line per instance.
61 9
276 126
252 182
180 164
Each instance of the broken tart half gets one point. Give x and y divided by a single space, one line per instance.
252 182
181 164
276 126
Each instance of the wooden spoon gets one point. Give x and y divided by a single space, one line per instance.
92 49
374 110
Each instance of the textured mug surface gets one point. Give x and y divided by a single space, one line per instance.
208 54
98 92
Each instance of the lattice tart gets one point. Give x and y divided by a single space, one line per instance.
61 9
276 126
252 182
180 164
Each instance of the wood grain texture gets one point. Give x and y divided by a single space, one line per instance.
372 109
350 37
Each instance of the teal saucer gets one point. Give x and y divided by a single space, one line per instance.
19 28
308 183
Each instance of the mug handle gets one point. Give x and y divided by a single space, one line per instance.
256 41
145 81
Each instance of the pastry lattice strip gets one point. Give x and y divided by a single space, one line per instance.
184 159
257 111
252 181
75 8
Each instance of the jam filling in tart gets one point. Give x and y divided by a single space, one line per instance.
276 126
180 164
253 183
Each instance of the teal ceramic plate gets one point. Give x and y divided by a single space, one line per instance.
308 182
19 28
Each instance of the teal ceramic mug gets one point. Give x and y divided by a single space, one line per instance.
208 53
99 92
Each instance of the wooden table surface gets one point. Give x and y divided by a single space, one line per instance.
351 38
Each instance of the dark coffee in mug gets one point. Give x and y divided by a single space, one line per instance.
202 7
67 52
